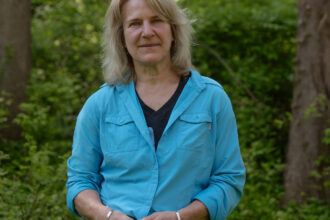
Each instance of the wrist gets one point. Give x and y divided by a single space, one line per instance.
107 217
196 210
178 216
102 213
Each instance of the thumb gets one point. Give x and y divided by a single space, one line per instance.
151 217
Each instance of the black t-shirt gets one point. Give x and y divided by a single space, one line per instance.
157 120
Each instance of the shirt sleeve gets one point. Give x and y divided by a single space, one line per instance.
84 163
228 173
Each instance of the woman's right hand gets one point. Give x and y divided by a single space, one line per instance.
115 215
88 204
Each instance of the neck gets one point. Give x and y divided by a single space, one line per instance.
155 86
155 74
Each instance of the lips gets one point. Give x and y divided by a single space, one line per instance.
149 45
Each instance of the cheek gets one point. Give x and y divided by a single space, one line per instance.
169 32
169 35
130 36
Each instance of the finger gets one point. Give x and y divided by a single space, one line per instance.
117 215
151 217
166 216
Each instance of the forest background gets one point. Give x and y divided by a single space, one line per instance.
247 46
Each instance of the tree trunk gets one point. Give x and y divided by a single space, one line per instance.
304 177
15 56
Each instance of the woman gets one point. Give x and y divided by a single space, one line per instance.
158 141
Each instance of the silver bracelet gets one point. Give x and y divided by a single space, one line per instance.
178 215
108 215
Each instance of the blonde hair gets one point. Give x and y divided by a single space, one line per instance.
117 62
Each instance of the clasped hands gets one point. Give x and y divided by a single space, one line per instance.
116 215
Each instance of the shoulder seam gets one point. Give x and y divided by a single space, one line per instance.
210 81
214 84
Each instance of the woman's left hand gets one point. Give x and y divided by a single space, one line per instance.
161 216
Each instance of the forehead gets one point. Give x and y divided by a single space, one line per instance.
137 9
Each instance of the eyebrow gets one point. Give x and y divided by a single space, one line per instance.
138 19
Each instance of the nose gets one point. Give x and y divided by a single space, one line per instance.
147 30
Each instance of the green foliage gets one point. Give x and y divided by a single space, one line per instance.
5 102
35 193
311 210
254 38
318 107
66 70
326 139
8 56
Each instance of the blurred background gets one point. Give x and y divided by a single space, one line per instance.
270 59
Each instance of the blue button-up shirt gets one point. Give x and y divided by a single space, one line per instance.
197 157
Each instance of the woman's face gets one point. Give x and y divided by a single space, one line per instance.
148 37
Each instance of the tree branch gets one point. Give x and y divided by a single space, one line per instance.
229 69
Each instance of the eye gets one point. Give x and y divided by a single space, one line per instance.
157 20
134 24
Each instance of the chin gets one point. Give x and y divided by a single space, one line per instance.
150 61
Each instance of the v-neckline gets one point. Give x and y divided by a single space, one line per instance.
152 111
